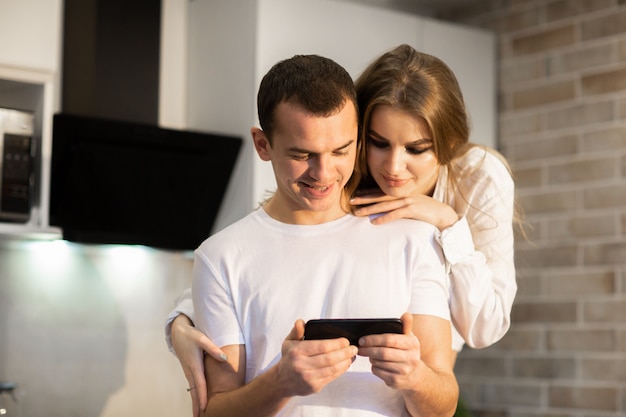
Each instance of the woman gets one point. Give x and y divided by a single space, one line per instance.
415 152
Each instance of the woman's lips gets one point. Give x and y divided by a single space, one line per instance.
395 182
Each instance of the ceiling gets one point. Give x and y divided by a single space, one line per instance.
422 7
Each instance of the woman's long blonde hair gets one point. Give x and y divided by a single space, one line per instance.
423 85
419 84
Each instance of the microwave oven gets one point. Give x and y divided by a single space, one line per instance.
16 165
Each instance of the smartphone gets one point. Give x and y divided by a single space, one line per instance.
351 329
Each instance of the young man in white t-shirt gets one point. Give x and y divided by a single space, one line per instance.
303 256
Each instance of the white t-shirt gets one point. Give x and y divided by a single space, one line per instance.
255 278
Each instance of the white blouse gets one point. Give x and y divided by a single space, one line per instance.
479 247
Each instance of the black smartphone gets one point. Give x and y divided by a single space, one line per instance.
351 329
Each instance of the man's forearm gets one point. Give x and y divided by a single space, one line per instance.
261 397
436 396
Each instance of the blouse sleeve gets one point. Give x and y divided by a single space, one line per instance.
479 252
184 305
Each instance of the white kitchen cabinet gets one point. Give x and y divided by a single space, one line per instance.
30 39
30 35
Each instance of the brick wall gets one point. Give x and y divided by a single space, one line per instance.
562 125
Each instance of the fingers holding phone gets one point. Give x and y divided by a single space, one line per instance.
389 343
307 366
394 357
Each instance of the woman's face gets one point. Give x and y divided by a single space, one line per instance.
400 153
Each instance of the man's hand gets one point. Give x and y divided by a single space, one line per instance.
304 368
307 366
417 363
395 358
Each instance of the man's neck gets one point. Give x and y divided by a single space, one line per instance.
282 212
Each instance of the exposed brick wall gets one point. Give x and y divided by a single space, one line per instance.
562 125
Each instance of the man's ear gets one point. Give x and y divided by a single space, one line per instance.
261 143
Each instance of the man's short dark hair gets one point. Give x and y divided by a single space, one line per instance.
319 85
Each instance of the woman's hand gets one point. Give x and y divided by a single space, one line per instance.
190 344
416 207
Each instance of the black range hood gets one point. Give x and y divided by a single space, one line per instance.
115 176
132 183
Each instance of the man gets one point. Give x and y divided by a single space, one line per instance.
302 256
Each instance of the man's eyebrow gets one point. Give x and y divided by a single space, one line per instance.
350 142
300 150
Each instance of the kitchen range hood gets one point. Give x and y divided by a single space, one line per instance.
118 182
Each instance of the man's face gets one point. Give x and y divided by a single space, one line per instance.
313 159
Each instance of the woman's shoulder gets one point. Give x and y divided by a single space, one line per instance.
478 156
481 163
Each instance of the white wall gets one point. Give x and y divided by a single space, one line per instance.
221 87
81 329
173 65
473 60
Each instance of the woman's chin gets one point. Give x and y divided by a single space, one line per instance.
398 192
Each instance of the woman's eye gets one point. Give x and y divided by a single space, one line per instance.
418 151
411 150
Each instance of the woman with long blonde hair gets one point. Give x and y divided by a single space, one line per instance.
416 162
